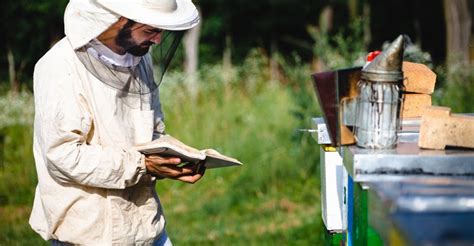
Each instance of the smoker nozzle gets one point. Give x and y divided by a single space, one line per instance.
387 66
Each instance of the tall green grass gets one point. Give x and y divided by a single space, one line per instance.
456 88
17 171
240 111
274 198
246 111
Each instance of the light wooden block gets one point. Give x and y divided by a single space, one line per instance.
418 78
439 128
414 105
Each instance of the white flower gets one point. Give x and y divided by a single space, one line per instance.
16 109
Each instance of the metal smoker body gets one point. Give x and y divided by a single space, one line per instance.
379 101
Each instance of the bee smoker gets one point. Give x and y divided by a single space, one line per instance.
379 101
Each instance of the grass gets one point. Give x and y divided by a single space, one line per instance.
17 183
456 89
240 111
273 199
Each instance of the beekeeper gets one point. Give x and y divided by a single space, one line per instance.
96 96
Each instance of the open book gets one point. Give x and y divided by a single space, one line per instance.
167 145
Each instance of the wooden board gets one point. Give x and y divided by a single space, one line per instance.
439 128
415 104
418 78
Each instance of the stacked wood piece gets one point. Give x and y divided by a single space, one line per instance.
439 128
419 84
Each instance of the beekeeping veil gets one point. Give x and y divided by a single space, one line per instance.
86 19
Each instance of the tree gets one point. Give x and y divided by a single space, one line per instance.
458 27
271 24
28 28
191 55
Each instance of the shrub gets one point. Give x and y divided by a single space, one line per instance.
456 88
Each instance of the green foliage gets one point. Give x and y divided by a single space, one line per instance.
15 147
14 227
17 162
267 201
28 29
344 49
17 171
456 88
255 24
273 199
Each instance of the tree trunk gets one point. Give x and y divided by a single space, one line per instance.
326 19
191 56
227 58
227 55
353 9
458 30
274 71
14 83
366 17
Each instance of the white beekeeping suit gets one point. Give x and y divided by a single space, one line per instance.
92 187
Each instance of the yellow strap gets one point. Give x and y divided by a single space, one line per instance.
329 148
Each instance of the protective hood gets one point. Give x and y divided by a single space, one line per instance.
84 20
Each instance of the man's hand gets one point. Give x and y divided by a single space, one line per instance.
167 167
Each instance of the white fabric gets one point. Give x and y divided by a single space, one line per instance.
165 14
103 53
92 187
84 20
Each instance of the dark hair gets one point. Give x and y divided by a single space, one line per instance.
129 24
125 33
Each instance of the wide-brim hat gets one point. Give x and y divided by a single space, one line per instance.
172 15
84 20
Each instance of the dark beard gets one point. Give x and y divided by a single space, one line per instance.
138 50
124 39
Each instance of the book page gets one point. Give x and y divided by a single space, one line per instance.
215 159
167 145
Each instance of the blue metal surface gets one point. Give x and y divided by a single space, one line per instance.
424 211
350 211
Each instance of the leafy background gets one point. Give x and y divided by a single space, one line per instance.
250 109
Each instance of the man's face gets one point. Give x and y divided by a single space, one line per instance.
136 38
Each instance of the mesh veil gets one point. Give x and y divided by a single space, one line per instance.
141 79
165 52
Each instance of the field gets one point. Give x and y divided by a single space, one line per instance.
246 111
240 111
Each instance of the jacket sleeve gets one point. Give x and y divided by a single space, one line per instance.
62 123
